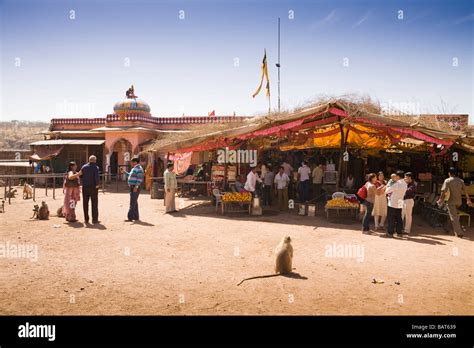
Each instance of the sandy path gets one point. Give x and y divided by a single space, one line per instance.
190 263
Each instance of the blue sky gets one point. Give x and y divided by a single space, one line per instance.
52 65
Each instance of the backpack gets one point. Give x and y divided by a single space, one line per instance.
362 192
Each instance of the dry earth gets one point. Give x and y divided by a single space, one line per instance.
189 263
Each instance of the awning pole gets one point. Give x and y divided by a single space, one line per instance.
339 169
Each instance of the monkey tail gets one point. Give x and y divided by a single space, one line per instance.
258 277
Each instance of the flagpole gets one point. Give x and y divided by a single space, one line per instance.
278 65
269 108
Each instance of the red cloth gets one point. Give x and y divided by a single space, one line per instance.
181 161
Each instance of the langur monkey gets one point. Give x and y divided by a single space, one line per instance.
43 212
35 211
59 212
284 256
283 260
27 191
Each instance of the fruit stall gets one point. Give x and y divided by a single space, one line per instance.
347 205
236 202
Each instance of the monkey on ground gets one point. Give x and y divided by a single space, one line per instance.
27 191
11 193
43 213
2 207
59 212
35 211
283 260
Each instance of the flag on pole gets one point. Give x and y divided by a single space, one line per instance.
264 75
212 113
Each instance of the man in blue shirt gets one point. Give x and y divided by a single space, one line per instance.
135 179
90 189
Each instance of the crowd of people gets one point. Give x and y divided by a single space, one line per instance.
269 183
88 177
394 200
386 201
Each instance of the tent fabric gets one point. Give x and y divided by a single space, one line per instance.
196 143
358 136
408 132
46 152
181 161
279 128
363 130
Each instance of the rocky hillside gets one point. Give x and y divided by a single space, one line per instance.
18 134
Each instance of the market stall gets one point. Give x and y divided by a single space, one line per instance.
236 202
342 205
345 137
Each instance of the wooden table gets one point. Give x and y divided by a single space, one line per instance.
193 183
230 203
352 210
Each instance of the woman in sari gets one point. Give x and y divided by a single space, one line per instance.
380 205
71 192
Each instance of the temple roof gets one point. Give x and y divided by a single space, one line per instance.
132 105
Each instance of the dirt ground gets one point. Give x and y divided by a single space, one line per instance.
189 263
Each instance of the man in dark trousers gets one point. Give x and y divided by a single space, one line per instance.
456 188
90 188
135 178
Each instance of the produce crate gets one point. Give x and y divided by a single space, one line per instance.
242 199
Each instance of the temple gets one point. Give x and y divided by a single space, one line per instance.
116 138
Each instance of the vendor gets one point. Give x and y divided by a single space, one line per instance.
252 179
238 184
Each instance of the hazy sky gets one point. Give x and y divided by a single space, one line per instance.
195 56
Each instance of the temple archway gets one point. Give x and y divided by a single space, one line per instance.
120 156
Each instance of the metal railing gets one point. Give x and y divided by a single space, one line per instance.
49 180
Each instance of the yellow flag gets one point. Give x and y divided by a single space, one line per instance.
264 75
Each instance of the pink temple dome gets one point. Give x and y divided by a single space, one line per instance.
133 106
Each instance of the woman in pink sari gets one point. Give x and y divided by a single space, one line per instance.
71 191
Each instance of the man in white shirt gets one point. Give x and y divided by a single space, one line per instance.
281 186
251 183
317 175
304 173
395 193
171 185
267 187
